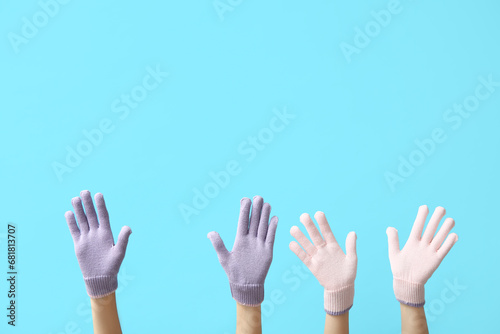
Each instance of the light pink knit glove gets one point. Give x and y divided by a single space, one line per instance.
416 262
333 269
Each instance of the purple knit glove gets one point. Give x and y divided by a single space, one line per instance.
247 264
97 254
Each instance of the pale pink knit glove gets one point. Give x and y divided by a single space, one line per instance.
333 269
416 262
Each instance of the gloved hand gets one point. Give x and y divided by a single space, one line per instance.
333 269
247 264
97 254
416 262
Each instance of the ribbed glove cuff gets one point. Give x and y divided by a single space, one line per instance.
101 286
339 301
248 294
409 293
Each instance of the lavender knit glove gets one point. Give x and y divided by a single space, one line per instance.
97 254
247 264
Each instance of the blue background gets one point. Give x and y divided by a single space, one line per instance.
353 121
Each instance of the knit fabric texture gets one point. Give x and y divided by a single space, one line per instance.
98 256
334 269
246 266
421 256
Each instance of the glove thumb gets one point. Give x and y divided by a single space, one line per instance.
122 242
393 240
218 244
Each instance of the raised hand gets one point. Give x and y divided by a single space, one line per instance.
420 257
247 264
333 269
97 254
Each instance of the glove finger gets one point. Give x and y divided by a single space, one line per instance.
271 231
121 244
301 254
264 221
303 241
433 224
306 220
102 211
393 239
448 224
255 216
447 245
80 215
243 220
89 209
418 225
325 227
350 244
73 228
218 245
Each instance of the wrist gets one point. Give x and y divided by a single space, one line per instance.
248 319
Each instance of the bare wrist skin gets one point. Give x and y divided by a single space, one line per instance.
105 315
413 320
337 324
248 319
